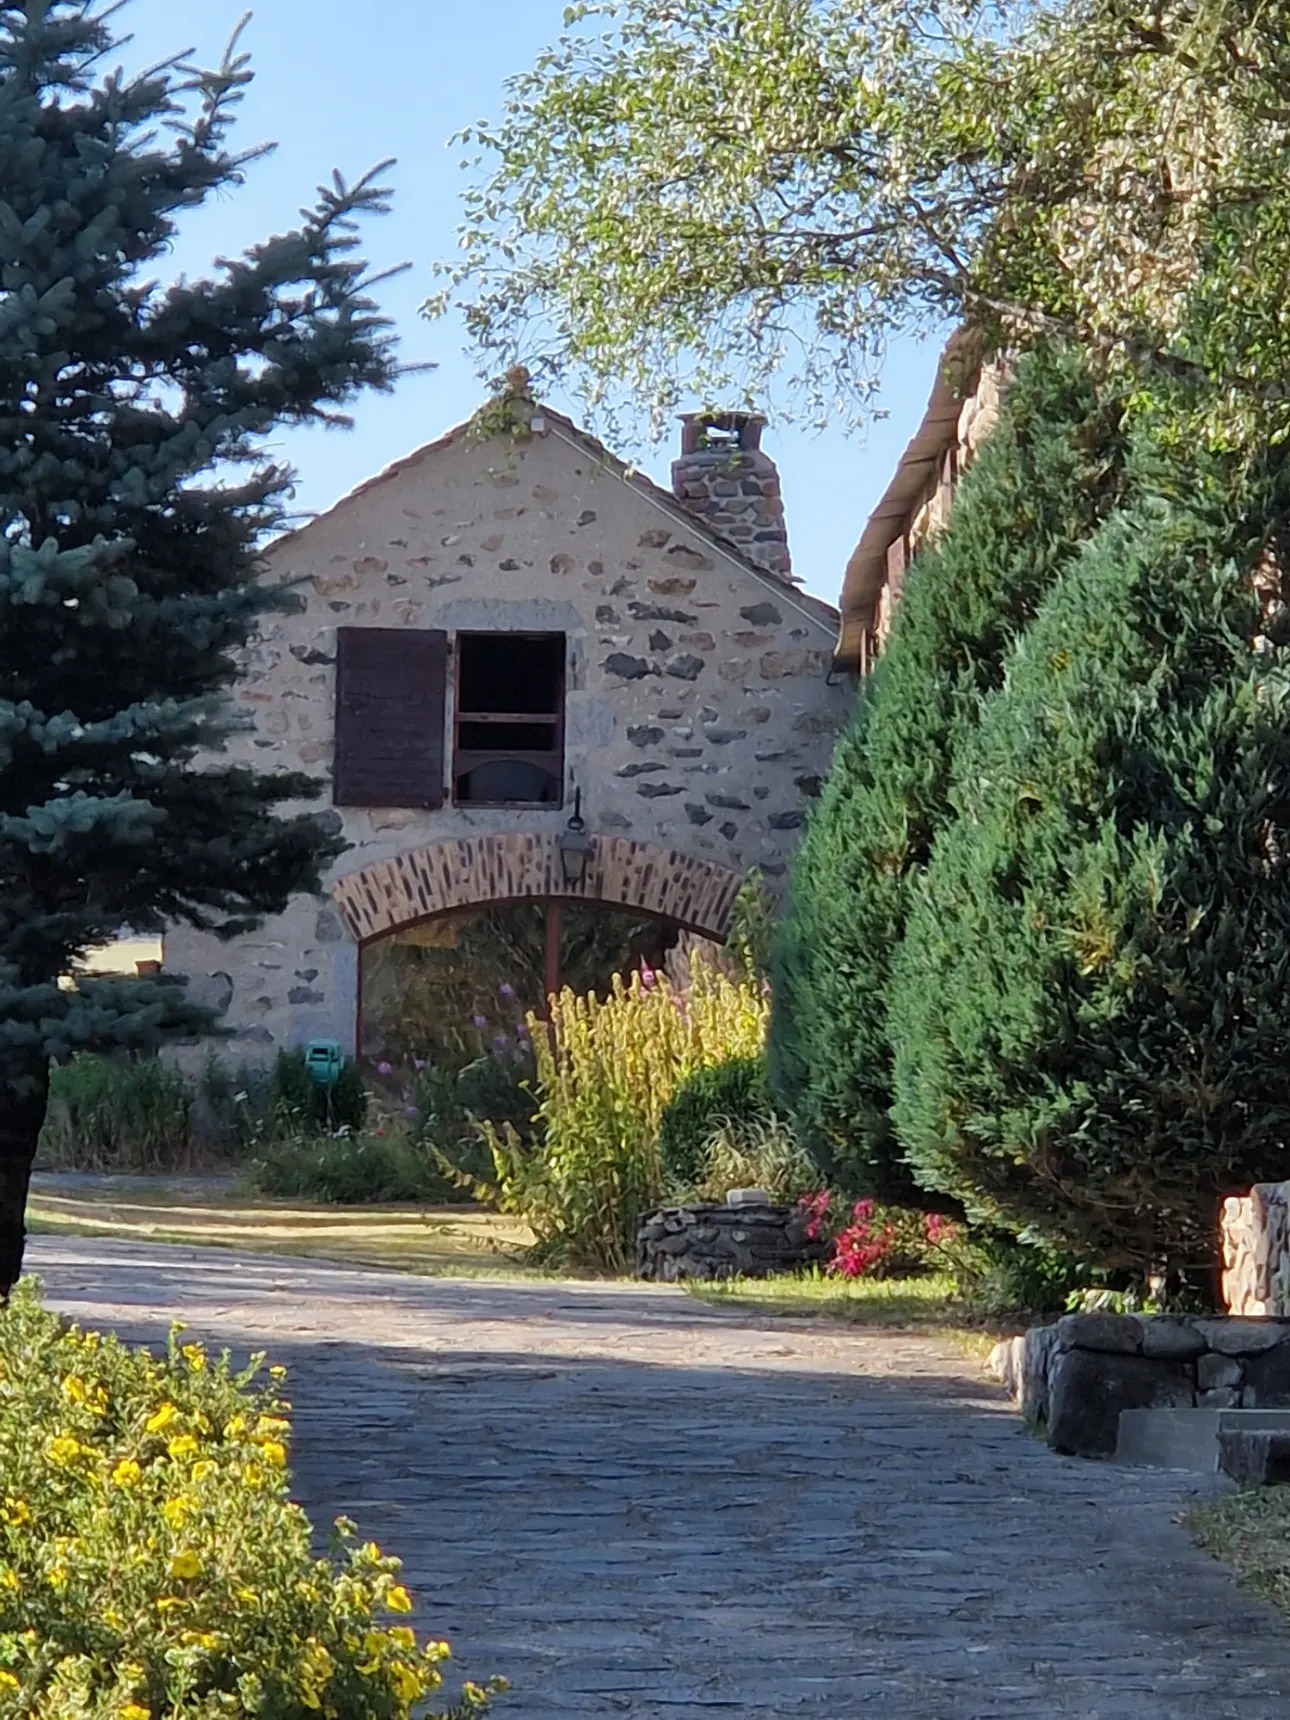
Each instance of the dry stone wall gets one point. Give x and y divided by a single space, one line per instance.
700 715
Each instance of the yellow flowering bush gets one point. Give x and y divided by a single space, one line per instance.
606 1071
151 1563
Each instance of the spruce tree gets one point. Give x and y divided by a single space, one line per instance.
1043 480
134 491
1090 1003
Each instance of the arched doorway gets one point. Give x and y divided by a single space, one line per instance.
428 914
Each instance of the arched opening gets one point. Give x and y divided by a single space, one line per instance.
446 989
451 917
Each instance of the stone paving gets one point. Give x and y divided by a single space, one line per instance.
633 1505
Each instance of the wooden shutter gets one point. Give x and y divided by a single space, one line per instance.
391 689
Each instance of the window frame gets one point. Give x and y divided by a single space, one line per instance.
475 756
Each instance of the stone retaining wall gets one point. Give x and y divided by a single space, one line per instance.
1074 1378
724 1242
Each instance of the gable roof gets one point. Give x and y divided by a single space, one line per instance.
917 471
813 609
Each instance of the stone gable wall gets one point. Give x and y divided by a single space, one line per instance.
698 714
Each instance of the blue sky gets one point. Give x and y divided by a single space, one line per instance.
339 85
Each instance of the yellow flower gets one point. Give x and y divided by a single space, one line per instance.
273 1451
168 1603
277 1372
9 1685
437 1651
175 1511
408 1682
62 1449
235 1428
17 1511
74 1389
203 1470
183 1445
159 1422
9 1579
132 1711
127 1473
195 1356
398 1599
248 1597
185 1565
201 1639
402 1637
253 1476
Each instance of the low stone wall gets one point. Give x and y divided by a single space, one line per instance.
724 1242
1074 1378
1255 1233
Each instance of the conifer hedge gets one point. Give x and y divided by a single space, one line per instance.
1049 473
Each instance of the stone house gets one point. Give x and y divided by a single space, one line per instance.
527 673
960 414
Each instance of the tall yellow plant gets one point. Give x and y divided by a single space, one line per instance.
606 1070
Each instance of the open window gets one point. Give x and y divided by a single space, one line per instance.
509 742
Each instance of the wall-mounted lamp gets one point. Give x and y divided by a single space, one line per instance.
576 846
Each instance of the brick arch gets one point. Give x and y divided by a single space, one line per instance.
473 871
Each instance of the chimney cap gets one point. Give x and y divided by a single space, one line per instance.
733 428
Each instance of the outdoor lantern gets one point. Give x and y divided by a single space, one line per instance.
576 846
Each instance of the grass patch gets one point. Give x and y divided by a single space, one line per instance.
1251 1531
896 1302
451 1241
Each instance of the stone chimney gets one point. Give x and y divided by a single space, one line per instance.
724 478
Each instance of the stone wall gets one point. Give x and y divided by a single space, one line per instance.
1255 1233
1074 1378
724 1242
700 713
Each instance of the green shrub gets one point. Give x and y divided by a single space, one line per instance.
131 1114
1046 476
1090 1006
733 1091
369 1167
757 1151
303 1103
151 1562
605 1075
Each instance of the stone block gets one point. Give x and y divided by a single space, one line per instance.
1254 1459
1111 1334
1087 1390
1267 1376
1171 1339
1242 1337
1213 1370
1223 1397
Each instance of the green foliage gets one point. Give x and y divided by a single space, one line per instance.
304 1105
151 1561
733 1091
606 1072
894 166
382 1165
1089 1006
136 489
120 1114
752 931
756 1150
1049 472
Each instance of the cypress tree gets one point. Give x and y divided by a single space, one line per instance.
134 491
1046 476
1090 1003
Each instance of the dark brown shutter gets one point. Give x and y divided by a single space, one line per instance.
391 690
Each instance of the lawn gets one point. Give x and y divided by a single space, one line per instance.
454 1240
1251 1530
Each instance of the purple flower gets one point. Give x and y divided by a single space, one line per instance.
501 1041
385 1069
411 1111
418 1063
506 990
481 1022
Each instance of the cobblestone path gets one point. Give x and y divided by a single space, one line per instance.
634 1505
